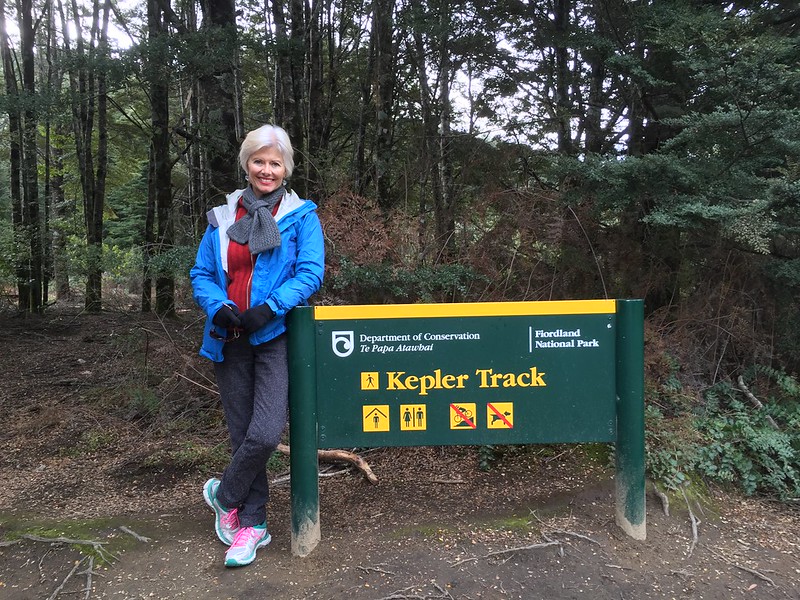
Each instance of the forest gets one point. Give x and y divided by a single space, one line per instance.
459 151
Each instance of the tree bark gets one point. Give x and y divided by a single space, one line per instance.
161 167
291 82
385 83
562 73
218 85
30 213
435 108
15 147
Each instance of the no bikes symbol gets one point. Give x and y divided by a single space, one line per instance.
462 416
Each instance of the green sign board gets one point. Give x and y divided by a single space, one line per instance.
485 373
461 374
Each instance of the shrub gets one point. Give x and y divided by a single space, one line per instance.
742 444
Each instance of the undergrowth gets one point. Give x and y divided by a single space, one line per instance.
727 438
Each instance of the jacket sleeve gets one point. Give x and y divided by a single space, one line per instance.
309 267
207 288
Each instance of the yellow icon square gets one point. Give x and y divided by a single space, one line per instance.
462 415
413 417
500 415
369 380
375 417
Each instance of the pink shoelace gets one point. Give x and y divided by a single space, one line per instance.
231 519
244 536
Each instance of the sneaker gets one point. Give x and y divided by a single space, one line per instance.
247 541
226 522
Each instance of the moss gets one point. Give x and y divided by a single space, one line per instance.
108 541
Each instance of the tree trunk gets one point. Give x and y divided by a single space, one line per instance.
595 58
283 102
148 248
30 213
430 149
61 267
317 123
359 175
15 142
385 82
436 117
562 84
94 197
445 211
218 85
160 178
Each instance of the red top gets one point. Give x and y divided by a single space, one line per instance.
240 266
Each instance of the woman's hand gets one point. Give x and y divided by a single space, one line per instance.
227 317
255 318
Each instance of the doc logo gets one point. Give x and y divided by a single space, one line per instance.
342 343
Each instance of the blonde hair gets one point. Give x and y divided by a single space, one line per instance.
268 136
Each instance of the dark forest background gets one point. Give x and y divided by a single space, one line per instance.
459 151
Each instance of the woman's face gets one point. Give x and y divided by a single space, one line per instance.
265 170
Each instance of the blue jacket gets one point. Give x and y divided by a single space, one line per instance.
283 277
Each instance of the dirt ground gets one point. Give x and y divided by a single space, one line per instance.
95 446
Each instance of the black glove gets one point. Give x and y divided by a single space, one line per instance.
227 317
255 318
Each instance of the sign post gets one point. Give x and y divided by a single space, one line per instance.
465 374
630 476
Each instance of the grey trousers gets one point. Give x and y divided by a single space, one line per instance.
254 387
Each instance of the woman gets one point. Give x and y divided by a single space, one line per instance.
261 255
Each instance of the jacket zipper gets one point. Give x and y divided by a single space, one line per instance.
250 279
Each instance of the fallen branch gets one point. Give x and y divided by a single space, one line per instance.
663 497
375 569
200 385
522 548
758 574
57 591
561 531
339 456
753 400
577 535
682 573
88 572
131 532
402 595
96 546
695 522
509 551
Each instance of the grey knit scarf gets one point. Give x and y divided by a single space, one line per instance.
258 228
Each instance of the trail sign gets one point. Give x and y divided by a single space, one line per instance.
484 373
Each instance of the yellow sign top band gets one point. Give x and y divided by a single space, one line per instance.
467 309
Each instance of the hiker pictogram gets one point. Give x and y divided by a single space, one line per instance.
369 380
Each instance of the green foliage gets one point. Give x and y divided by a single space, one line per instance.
277 463
742 444
91 441
7 256
726 440
190 455
122 265
386 283
669 454
142 402
486 457
175 262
